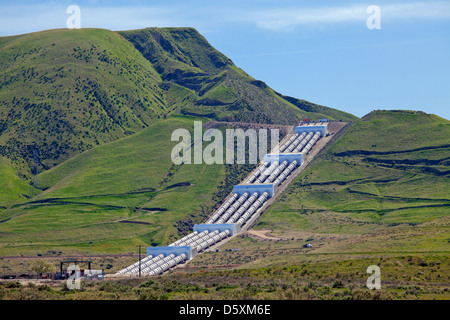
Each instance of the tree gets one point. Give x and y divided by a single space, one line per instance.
42 266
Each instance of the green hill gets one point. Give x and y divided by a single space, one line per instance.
202 81
118 195
12 188
63 91
382 189
95 112
91 110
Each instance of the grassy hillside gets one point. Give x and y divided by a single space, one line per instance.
201 81
87 108
118 195
400 131
357 200
396 184
63 91
12 189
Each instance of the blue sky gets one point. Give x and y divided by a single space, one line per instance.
321 51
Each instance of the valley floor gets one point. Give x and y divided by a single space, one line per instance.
403 277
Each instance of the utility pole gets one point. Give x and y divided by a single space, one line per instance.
139 261
90 252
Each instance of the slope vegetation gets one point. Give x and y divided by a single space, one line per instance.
382 189
200 80
118 195
63 91
392 168
92 111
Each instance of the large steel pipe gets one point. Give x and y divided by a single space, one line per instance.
222 209
267 172
158 263
127 269
260 169
258 203
296 142
303 143
233 208
242 209
276 172
185 238
168 264
288 143
193 239
311 143
285 173
212 240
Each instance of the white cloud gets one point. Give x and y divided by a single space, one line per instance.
17 19
20 18
290 18
124 18
419 10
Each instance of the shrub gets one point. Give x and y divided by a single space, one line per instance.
14 284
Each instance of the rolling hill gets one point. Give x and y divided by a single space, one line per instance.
381 190
119 195
92 112
81 115
63 91
391 168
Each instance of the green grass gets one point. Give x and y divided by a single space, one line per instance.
12 188
395 131
83 88
138 162
64 91
222 93
114 182
377 206
403 277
